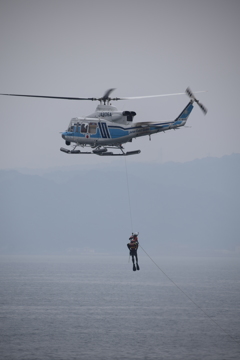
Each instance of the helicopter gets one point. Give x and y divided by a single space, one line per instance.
108 128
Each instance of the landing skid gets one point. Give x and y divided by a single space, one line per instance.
100 152
67 151
123 154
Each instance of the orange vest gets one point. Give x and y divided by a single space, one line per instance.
133 245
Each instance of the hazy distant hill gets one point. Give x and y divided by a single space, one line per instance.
190 208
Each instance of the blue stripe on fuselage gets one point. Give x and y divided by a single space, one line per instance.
117 132
104 130
105 127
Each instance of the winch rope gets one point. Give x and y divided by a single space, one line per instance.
199 307
129 199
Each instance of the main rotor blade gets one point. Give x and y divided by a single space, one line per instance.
153 96
104 98
52 97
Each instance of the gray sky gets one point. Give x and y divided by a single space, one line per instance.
82 48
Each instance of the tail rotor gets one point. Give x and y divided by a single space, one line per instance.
192 97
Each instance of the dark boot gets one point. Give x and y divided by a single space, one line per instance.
138 268
134 267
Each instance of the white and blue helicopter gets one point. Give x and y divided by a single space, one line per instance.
108 128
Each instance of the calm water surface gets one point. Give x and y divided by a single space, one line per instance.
96 307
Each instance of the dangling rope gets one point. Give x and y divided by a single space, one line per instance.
199 307
129 200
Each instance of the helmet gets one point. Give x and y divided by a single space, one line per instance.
135 234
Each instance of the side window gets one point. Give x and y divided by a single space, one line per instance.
84 128
92 128
77 127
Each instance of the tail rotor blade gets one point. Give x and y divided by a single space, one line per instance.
192 97
189 92
203 108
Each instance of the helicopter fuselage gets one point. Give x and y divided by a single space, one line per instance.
109 127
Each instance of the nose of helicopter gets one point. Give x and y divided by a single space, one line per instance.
64 135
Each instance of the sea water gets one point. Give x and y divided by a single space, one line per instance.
96 307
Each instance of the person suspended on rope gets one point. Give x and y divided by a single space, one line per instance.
133 246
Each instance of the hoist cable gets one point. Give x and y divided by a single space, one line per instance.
199 307
129 199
